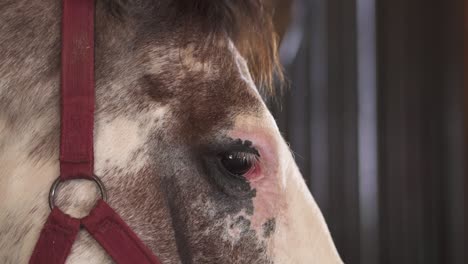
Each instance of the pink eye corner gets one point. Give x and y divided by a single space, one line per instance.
254 173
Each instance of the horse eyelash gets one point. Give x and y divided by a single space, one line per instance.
240 145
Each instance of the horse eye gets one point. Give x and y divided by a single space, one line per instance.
238 163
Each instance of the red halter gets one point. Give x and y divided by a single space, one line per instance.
76 152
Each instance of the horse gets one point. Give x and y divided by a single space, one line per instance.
189 153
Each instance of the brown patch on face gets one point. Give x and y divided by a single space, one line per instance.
212 106
154 87
201 102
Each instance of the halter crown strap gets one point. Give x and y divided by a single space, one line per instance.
76 152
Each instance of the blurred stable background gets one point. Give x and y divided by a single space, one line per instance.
375 115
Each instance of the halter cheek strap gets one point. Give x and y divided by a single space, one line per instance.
77 155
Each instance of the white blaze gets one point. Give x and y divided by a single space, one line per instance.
302 235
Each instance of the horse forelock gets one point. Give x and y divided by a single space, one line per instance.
248 23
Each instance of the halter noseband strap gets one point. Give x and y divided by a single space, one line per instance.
77 155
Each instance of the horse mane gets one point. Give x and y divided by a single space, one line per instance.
248 23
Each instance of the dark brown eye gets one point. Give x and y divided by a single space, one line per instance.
238 163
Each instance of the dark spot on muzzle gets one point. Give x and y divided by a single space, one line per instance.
269 227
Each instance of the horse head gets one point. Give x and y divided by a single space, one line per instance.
191 157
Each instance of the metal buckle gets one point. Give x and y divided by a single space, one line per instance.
95 179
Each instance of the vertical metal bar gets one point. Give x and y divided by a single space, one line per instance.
464 180
318 107
343 127
452 158
367 131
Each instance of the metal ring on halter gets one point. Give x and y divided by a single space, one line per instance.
53 189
